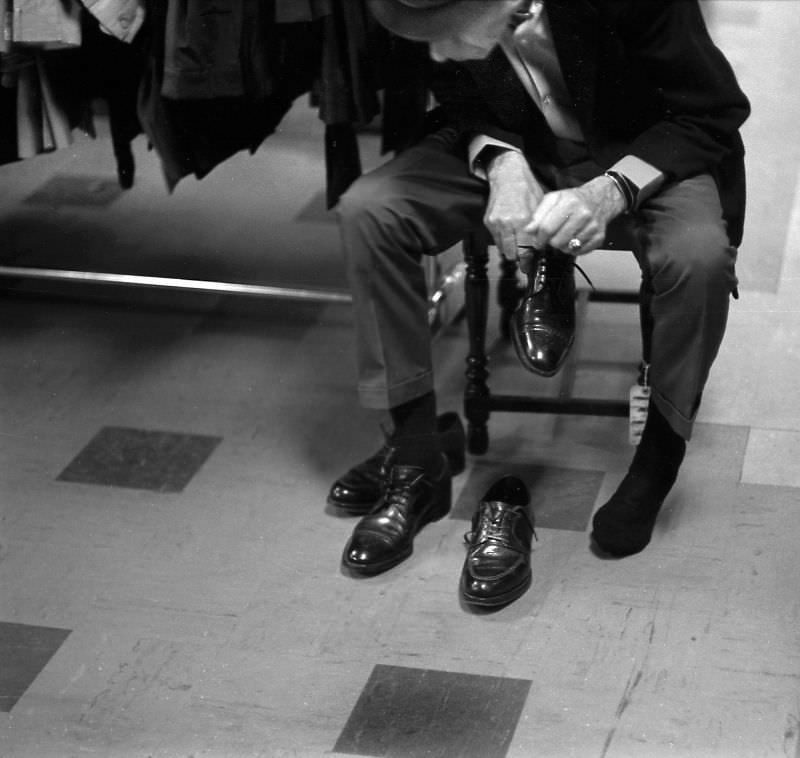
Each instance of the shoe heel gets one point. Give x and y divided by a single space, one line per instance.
457 461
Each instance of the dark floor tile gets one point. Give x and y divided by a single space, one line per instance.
73 189
24 652
421 713
140 459
561 498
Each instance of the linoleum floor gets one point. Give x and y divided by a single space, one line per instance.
170 584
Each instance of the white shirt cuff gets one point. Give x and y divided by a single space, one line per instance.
476 147
646 177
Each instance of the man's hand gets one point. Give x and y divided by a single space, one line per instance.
582 213
514 195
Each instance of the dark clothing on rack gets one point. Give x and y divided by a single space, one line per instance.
221 76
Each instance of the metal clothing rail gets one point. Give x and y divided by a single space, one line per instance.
172 283
445 301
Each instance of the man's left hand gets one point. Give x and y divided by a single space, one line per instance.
581 214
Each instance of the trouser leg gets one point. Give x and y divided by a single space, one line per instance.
420 203
688 262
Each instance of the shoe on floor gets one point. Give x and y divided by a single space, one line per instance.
385 537
358 490
497 568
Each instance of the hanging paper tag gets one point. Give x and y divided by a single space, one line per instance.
639 400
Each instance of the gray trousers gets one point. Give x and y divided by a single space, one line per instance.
425 201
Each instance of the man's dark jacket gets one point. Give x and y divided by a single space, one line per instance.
645 79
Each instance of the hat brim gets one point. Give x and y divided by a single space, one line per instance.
429 24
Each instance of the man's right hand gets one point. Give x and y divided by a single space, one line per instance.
514 195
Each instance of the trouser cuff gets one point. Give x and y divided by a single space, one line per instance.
382 398
680 424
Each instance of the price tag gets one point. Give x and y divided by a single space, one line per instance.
639 401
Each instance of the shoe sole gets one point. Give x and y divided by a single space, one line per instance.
493 602
352 509
377 568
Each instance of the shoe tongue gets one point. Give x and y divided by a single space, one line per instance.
495 506
405 474
489 510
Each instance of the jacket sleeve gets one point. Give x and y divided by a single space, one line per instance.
700 100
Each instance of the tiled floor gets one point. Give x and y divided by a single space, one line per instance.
169 572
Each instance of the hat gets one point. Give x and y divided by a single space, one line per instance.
427 20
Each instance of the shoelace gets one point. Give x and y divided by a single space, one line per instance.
389 453
493 525
540 276
395 501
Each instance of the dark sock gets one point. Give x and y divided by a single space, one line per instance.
415 437
417 416
624 525
661 449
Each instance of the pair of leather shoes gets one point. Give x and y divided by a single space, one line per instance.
358 490
497 568
543 325
412 497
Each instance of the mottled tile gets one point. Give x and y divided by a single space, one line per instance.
561 498
24 652
141 459
422 713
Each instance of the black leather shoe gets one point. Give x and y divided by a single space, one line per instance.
543 325
497 569
413 497
358 490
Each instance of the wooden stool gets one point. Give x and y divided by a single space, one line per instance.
479 402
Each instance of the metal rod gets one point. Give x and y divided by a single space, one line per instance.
438 314
163 282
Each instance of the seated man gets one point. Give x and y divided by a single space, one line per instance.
561 124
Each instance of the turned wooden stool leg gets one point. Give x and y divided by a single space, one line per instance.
509 294
476 392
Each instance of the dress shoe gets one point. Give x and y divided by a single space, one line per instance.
497 569
624 525
543 325
413 497
358 490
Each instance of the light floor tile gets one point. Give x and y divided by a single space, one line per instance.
216 621
772 457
